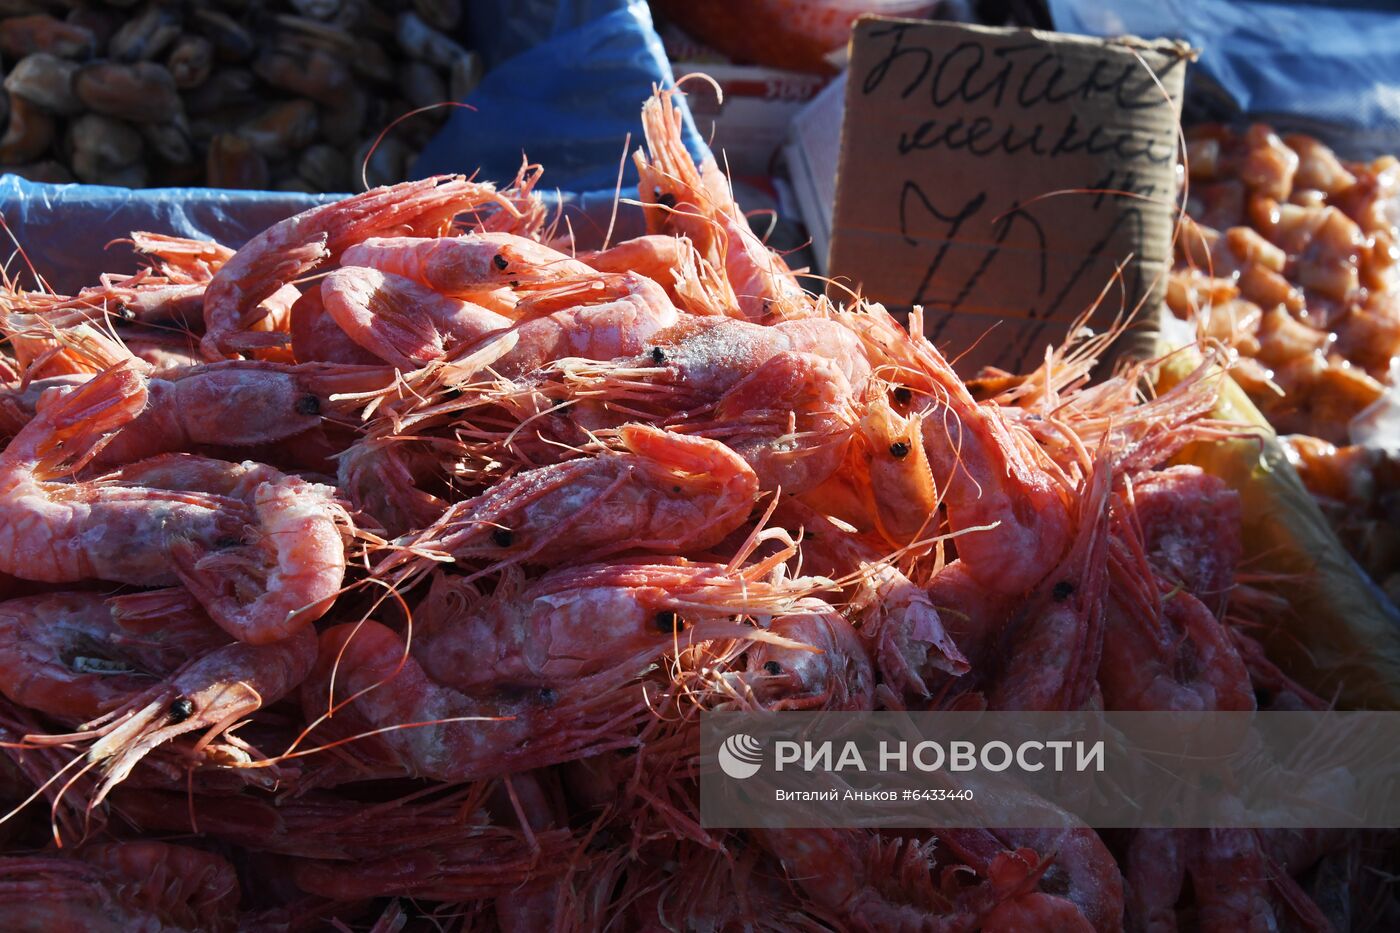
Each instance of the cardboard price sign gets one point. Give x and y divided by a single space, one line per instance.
1001 178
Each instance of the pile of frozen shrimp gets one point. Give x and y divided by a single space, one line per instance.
375 574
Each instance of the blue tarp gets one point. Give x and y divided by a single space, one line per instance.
1327 68
568 100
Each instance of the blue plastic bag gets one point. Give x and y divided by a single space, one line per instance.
1332 70
569 102
65 229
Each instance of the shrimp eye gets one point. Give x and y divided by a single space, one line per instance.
899 450
658 355
503 537
772 667
548 696
500 262
308 405
903 396
667 621
181 709
1062 591
667 199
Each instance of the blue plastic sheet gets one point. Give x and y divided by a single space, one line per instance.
569 100
65 229
1330 69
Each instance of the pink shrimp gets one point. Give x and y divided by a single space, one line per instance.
597 317
1074 863
142 301
576 622
437 732
673 263
295 246
120 886
887 455
167 519
60 531
466 266
1190 524
1163 649
903 630
164 350
1230 877
872 882
667 493
790 419
1154 872
993 477
76 656
653 255
700 359
697 202
1054 642
400 321
398 847
286 577
316 337
207 685
389 480
181 259
233 404
828 668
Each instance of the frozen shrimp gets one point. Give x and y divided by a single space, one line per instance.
57 530
1001 491
289 249
667 493
120 886
400 321
697 202
154 668
466 266
575 622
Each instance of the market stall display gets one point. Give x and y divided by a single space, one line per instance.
369 561
401 576
1290 258
289 96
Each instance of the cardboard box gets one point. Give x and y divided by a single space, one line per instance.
1008 181
813 152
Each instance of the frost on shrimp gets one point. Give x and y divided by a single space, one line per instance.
208 685
667 493
295 246
577 622
60 531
